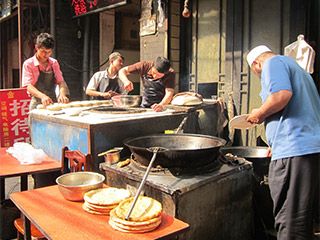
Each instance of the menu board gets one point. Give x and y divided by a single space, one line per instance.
14 109
84 7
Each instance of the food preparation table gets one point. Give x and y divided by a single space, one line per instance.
60 219
11 167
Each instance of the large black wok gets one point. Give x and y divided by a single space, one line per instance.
257 155
182 150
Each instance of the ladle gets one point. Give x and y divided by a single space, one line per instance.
155 151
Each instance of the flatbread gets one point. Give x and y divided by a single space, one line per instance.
127 229
114 218
75 104
102 207
240 122
40 106
84 207
106 196
54 107
145 208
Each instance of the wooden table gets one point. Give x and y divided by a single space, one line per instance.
60 219
11 167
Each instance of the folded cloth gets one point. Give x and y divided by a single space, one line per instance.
26 154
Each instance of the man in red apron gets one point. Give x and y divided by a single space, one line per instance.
158 80
106 84
41 74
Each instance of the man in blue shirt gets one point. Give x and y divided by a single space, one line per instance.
291 112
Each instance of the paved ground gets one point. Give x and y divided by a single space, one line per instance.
13 185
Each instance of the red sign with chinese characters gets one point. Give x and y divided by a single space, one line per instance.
83 7
14 109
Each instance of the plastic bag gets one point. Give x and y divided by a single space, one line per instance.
26 154
302 52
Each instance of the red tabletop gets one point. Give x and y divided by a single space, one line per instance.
60 219
11 167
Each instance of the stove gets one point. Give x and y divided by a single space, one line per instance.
213 199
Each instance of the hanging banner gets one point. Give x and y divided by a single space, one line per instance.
84 7
14 109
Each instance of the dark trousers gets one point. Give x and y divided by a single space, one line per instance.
294 187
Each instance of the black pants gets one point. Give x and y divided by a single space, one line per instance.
294 187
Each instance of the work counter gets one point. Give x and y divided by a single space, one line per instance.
92 132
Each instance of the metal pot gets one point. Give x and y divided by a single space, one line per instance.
112 156
257 155
126 100
182 150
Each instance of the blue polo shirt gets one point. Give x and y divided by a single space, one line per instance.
295 130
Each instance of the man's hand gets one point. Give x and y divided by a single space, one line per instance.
45 100
128 86
157 107
108 95
123 76
113 93
255 116
269 154
63 99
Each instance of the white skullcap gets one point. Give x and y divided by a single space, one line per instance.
256 52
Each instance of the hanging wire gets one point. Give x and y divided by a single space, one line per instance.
92 69
40 13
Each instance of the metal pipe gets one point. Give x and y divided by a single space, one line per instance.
20 39
85 61
53 22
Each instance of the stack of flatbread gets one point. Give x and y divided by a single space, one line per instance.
145 217
87 103
101 201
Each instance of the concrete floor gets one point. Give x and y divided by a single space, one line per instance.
13 185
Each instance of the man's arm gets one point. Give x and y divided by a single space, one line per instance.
123 73
95 93
45 100
158 107
63 92
274 103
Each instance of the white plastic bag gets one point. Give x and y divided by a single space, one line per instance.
302 52
26 154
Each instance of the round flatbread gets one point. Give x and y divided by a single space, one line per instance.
40 106
146 208
114 218
98 207
127 229
106 196
84 207
240 122
54 107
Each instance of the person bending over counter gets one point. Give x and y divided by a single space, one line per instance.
158 80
